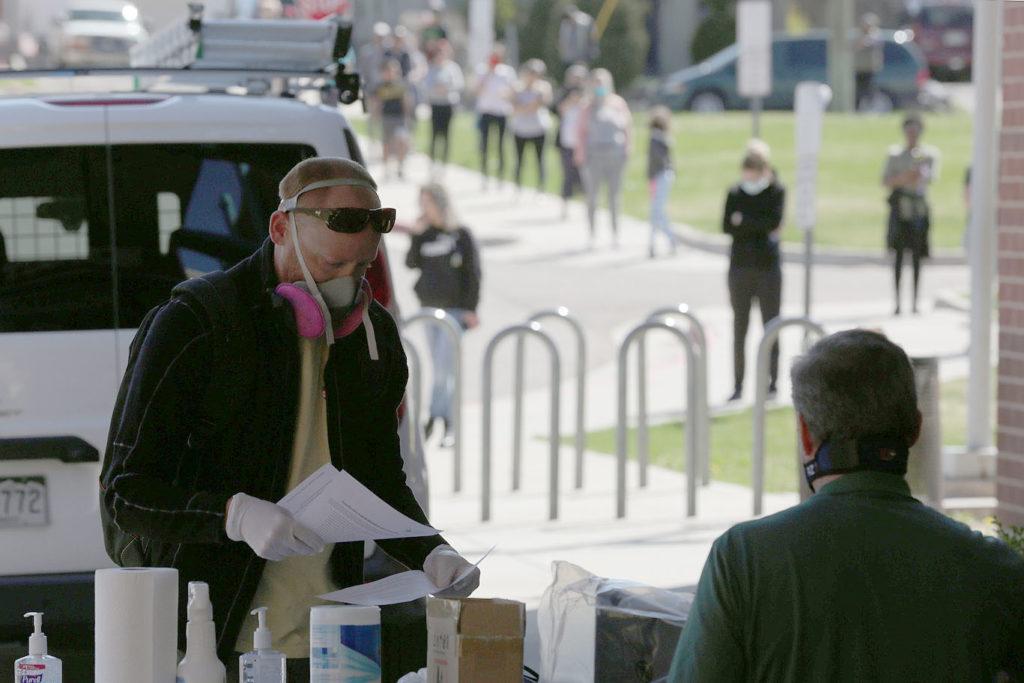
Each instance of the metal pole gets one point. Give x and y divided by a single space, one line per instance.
771 334
756 105
536 330
701 371
981 239
643 442
416 379
517 412
690 457
560 313
438 317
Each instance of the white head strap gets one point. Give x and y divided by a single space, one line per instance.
287 205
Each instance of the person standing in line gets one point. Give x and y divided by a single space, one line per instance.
371 63
754 210
395 108
400 51
869 58
494 87
568 105
908 172
531 117
660 176
603 148
443 84
446 255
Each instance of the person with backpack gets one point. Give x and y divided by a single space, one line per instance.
243 384
446 256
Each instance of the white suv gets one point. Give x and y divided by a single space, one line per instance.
106 202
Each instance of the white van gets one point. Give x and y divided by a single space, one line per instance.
106 202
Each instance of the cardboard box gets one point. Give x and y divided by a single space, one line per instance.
475 641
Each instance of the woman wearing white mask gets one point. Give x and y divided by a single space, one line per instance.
753 215
603 147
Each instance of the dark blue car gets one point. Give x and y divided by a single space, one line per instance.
710 86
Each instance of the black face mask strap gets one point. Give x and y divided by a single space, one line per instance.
874 454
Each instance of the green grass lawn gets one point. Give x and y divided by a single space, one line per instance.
851 205
731 439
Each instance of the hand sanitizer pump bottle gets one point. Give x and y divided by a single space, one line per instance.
37 667
263 664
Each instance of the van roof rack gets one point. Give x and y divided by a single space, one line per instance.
255 55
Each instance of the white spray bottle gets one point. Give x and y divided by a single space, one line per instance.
263 664
200 664
38 667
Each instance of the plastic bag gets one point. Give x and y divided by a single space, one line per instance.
594 629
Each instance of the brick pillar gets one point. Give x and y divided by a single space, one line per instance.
1010 440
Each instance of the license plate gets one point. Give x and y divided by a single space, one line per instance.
23 502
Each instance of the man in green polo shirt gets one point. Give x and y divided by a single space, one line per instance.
861 582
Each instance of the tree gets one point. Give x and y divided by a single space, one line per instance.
623 46
716 32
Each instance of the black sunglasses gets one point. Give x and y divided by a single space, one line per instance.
350 220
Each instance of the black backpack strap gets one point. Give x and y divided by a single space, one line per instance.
216 296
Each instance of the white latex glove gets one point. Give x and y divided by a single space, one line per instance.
443 565
269 529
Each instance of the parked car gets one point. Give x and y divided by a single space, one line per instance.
96 33
107 201
944 30
711 85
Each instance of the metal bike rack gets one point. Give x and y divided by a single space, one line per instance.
560 313
690 346
535 329
439 318
771 334
416 380
700 375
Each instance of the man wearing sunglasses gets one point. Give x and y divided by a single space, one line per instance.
318 371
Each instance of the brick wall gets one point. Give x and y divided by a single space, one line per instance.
1010 467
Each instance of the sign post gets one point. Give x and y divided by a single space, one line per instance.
754 37
812 99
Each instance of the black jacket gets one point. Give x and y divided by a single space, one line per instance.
171 491
752 246
450 268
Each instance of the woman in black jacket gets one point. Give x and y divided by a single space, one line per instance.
753 215
449 264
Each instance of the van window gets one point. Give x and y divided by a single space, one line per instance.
805 55
178 211
898 55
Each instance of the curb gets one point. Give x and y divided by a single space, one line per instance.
793 253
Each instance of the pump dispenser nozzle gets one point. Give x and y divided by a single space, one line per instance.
261 638
199 606
36 641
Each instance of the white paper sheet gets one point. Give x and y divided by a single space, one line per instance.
391 590
339 509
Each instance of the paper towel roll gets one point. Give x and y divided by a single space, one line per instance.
136 625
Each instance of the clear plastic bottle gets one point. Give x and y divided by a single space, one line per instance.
263 664
38 666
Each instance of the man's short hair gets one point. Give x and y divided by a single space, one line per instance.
856 384
315 169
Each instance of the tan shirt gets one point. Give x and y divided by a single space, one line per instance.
289 588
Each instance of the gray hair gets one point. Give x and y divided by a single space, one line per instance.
856 384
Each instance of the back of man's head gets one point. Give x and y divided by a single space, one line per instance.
856 384
315 169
